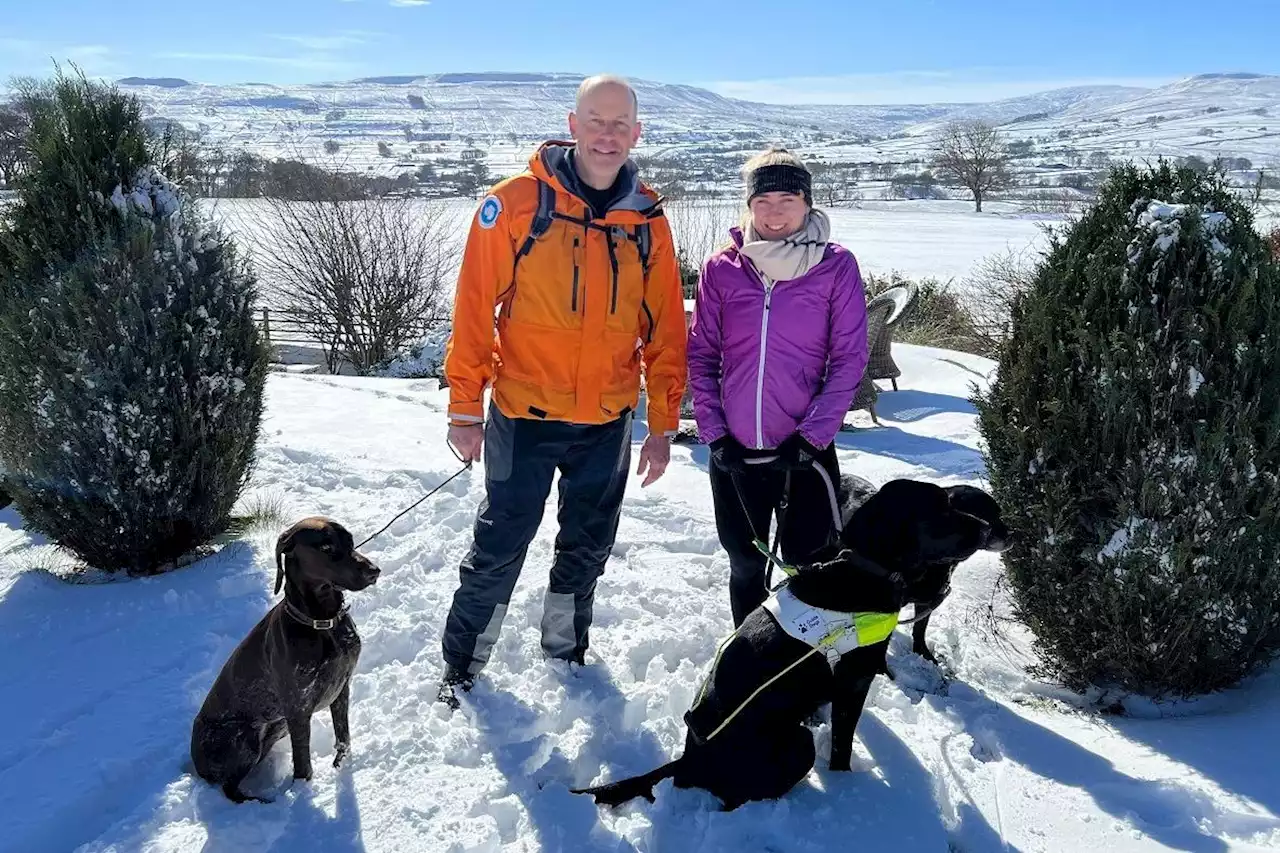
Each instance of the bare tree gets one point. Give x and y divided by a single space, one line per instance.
364 279
700 227
971 153
990 292
834 184
13 146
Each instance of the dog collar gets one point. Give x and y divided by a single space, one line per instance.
317 624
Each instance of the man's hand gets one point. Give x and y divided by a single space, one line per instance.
467 440
655 456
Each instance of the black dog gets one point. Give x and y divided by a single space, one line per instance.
934 584
296 661
747 743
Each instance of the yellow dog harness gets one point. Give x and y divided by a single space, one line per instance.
828 632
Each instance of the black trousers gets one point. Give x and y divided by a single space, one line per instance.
521 457
806 526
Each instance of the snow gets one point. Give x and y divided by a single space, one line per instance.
102 681
919 239
502 114
1164 221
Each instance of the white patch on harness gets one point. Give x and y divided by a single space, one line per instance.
810 624
489 210
831 631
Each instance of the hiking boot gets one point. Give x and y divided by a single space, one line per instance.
453 681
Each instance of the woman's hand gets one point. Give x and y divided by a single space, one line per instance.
728 455
796 453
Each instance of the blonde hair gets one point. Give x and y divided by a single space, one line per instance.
774 156
590 84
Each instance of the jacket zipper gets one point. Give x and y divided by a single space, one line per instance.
764 340
575 276
613 263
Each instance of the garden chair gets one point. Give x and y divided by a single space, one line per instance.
881 365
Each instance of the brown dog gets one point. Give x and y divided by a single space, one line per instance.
296 661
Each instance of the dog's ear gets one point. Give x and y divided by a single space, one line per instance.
284 545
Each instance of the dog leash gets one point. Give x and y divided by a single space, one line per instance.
466 466
760 543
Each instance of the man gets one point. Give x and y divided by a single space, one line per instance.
578 260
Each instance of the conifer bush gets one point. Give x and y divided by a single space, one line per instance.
131 371
1133 438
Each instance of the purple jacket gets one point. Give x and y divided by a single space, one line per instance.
763 365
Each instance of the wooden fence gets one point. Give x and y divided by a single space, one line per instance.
285 327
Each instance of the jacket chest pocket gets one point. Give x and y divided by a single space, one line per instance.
549 287
625 282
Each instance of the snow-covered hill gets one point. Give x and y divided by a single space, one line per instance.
501 114
101 683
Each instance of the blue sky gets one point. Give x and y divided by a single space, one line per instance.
826 51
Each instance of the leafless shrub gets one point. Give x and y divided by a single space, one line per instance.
700 228
364 279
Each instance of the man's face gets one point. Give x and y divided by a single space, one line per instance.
605 128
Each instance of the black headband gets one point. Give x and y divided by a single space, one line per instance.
780 178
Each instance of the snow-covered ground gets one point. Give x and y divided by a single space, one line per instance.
939 239
101 683
430 118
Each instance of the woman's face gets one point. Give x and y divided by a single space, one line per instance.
778 215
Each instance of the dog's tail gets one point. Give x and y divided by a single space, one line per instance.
617 793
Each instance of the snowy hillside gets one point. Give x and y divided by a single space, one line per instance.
501 114
102 682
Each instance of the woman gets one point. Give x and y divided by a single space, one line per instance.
777 348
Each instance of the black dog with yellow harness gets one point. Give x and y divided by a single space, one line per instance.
821 638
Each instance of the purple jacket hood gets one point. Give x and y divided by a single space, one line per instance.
766 362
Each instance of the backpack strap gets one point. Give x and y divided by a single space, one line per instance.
644 243
542 218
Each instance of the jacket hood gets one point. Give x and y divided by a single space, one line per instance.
553 163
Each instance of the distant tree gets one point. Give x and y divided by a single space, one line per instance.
473 179
331 147
834 184
13 145
1234 164
1021 148
1099 160
384 150
972 154
416 102
1196 164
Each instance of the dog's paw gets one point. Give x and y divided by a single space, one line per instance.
840 765
340 754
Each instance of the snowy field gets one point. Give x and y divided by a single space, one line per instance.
938 239
393 125
102 682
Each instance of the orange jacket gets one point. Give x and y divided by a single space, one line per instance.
577 317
